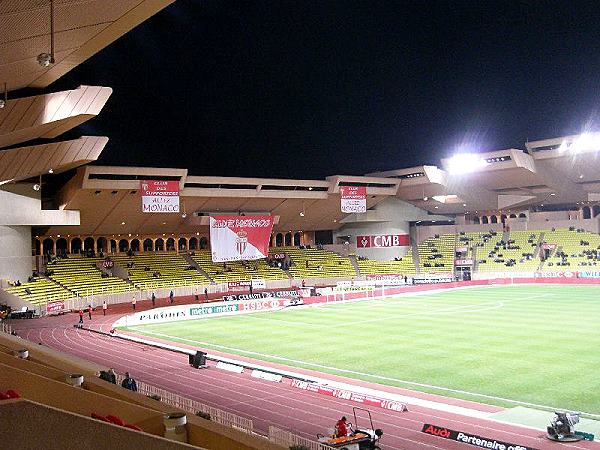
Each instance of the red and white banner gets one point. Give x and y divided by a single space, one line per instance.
384 240
238 238
463 262
160 196
556 274
244 285
349 395
354 199
386 279
54 307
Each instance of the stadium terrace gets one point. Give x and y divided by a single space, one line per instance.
152 307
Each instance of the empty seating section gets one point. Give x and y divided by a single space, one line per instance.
160 270
405 266
518 254
316 263
82 276
236 270
574 249
436 254
42 291
79 276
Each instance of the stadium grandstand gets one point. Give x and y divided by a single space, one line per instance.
74 235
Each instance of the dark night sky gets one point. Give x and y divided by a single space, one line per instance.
306 89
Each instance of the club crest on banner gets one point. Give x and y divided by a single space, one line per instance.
241 241
235 238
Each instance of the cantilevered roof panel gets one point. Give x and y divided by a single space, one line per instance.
49 115
82 28
26 162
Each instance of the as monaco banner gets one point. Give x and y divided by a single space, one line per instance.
354 199
237 238
160 196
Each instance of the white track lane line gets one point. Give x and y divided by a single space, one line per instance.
465 424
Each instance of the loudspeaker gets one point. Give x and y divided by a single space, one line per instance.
198 360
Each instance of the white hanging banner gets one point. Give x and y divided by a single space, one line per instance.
354 199
160 196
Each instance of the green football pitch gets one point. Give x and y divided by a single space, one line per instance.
537 344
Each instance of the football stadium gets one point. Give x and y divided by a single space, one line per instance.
443 306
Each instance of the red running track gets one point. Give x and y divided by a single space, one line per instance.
268 403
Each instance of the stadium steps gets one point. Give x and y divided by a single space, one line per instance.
474 257
354 262
538 249
58 283
193 263
505 236
554 252
415 256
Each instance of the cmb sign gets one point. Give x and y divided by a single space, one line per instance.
383 241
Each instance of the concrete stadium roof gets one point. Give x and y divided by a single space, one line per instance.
82 28
28 162
109 200
507 179
50 115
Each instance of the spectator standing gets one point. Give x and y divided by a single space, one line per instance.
129 383
153 299
90 311
104 308
133 302
171 297
206 293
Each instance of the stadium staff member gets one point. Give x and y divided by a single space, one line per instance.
104 308
341 427
133 302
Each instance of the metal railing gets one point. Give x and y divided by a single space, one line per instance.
276 435
287 439
5 328
192 406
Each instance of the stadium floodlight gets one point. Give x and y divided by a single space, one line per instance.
585 142
444 198
462 163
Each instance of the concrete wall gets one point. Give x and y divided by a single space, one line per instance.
46 385
392 216
21 207
15 252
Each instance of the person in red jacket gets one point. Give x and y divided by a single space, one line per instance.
81 316
341 428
